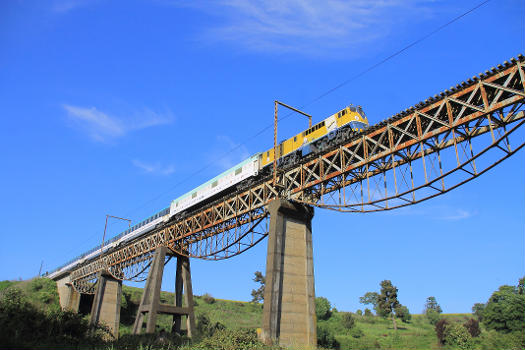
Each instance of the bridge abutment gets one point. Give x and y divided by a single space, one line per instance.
106 303
289 296
68 297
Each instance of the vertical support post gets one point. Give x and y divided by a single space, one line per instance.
289 296
151 295
188 294
106 304
178 295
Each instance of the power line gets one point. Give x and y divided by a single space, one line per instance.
324 94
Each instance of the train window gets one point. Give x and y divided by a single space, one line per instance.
215 183
295 139
343 112
194 194
238 171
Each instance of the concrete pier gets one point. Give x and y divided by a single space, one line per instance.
68 297
106 304
289 296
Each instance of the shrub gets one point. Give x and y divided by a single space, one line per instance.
359 312
161 340
440 330
208 299
403 313
356 332
206 328
432 316
348 320
368 312
240 339
326 339
458 337
323 309
509 341
472 326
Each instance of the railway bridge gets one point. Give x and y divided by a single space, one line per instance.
420 153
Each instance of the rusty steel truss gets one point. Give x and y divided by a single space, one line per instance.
420 153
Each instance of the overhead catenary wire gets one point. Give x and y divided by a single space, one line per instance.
322 95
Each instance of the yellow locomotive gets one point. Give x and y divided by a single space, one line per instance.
340 125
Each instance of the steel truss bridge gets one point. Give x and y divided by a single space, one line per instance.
419 153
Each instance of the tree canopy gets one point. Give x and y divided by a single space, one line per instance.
505 310
387 301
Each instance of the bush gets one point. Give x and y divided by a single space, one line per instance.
432 316
326 339
472 326
403 313
22 325
440 330
348 320
240 339
359 312
509 341
368 312
458 337
356 332
323 309
206 328
161 340
208 299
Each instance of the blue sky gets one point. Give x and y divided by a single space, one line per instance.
118 107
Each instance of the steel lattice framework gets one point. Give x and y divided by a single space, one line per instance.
420 153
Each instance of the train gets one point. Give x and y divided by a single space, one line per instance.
330 132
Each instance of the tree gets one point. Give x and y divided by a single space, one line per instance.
359 312
258 294
387 301
477 310
368 312
432 304
403 313
472 326
323 309
505 310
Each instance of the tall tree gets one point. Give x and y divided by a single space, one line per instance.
258 294
432 304
505 310
387 301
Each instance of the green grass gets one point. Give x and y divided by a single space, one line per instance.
368 333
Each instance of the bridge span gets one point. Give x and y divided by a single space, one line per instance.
424 151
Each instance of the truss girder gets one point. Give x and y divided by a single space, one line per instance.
400 161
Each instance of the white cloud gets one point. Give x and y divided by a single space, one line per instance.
154 168
229 153
307 26
459 214
63 6
103 127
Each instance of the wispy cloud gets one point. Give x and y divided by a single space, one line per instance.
154 168
63 6
103 127
307 26
458 214
228 152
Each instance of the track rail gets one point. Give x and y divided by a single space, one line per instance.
420 153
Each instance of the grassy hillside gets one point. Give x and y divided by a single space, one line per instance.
236 322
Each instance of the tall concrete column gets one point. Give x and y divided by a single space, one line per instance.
289 296
106 303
